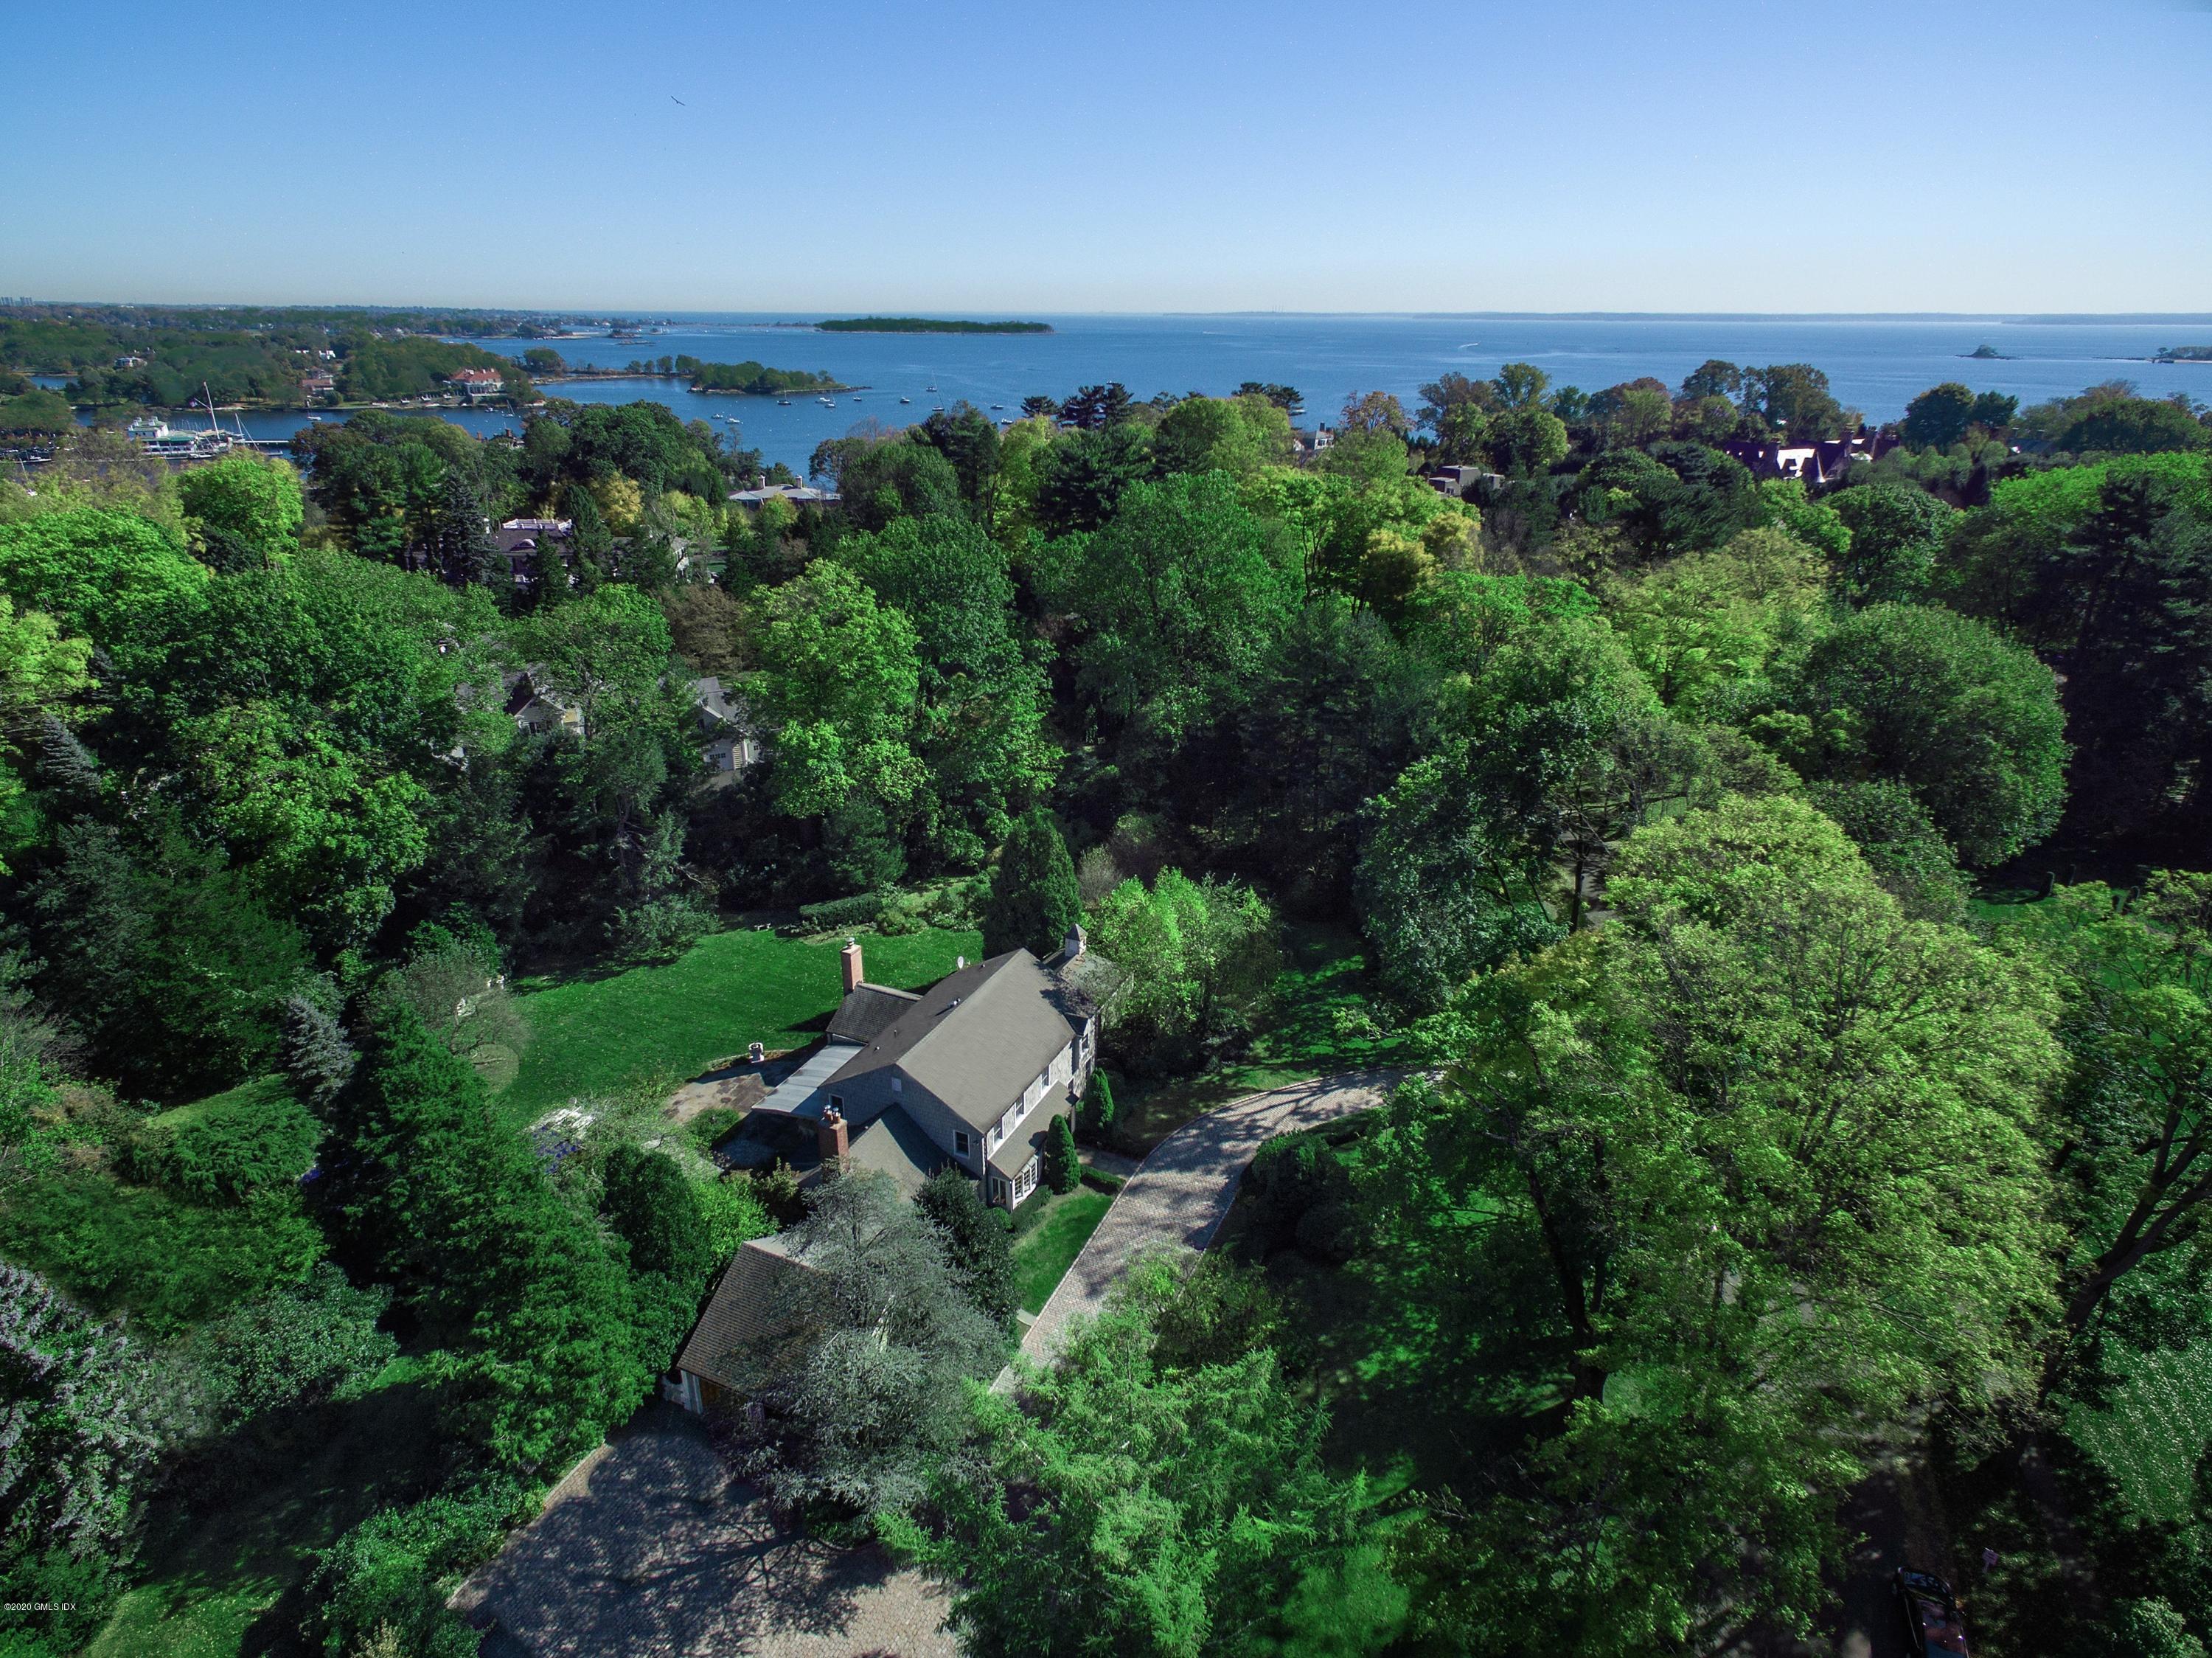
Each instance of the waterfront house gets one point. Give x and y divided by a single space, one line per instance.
1817 464
476 383
796 495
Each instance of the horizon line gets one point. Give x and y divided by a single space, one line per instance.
2051 318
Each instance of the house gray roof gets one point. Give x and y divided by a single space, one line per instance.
1027 1141
867 1011
893 1144
979 1036
748 1304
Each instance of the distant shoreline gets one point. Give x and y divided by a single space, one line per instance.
926 325
691 385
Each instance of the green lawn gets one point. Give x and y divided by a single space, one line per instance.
2157 1426
1047 1242
1323 1022
599 1035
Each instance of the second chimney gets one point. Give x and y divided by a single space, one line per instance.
851 957
829 1134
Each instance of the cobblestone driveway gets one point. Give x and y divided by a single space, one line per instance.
1181 1193
649 1549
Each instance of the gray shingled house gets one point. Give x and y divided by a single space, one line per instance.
970 1072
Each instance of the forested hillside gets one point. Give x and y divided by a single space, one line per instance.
1725 849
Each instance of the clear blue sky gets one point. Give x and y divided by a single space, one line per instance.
1054 158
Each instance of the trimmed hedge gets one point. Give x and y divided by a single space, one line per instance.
859 911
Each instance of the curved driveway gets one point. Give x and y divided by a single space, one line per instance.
1180 1194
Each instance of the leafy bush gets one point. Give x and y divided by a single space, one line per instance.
659 929
1300 1193
976 1244
227 1148
169 1263
711 1126
734 1213
301 1345
388 1574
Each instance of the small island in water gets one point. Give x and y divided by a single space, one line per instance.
1990 354
2183 354
927 326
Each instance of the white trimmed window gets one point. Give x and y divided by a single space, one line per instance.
1025 1182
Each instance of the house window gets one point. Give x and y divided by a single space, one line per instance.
960 1142
1025 1182
899 1085
837 1102
997 1190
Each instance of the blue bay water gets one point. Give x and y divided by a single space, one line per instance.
1875 364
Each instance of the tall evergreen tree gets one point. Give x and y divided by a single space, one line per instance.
1063 1167
541 1330
461 544
590 544
976 1244
1034 897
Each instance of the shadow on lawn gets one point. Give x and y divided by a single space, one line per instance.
244 1514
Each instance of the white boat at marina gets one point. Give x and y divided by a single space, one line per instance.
157 437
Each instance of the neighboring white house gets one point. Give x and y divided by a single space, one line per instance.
728 741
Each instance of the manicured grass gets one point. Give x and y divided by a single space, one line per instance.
2157 1426
254 1091
600 1035
1323 1022
1046 1245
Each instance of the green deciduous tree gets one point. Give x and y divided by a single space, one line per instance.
1033 901
839 678
100 574
1938 417
1774 1148
1138 1500
1193 960
1898 534
1179 599
1966 720
242 510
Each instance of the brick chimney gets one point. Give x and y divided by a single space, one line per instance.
851 957
829 1135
